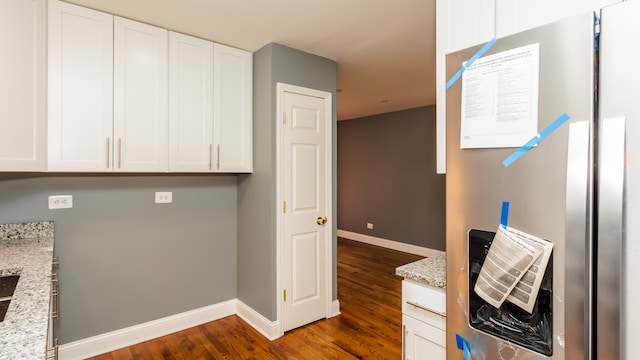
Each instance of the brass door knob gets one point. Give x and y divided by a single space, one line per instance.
321 220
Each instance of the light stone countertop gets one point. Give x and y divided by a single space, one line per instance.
23 333
430 271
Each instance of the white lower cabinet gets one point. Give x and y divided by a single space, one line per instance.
423 322
421 340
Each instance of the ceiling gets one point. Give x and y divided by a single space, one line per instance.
385 49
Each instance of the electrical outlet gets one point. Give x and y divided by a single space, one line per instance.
370 226
60 202
164 197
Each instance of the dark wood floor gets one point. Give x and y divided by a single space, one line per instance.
369 326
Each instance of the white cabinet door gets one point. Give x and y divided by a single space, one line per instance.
23 101
422 341
232 108
140 79
80 88
190 104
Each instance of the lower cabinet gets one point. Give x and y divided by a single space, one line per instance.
423 322
422 341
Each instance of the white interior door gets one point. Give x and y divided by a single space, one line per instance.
306 230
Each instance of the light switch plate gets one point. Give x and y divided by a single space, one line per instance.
60 202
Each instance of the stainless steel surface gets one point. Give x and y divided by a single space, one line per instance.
619 92
413 303
535 185
578 266
609 249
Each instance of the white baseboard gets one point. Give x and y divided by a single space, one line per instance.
335 308
264 326
390 244
118 339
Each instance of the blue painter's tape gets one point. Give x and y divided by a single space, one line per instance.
536 140
463 345
504 217
469 62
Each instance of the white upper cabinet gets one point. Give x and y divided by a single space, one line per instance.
23 89
130 97
232 109
190 104
80 73
140 82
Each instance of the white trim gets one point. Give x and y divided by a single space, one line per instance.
118 339
390 244
281 88
335 308
270 329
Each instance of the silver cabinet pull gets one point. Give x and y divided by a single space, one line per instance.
108 150
55 294
412 303
404 341
210 155
119 153
54 350
218 159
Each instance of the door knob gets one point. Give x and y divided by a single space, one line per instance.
321 220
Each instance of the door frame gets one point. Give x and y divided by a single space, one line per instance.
327 97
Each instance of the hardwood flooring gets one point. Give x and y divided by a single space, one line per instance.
369 326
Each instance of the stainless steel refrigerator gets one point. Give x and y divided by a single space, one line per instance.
579 188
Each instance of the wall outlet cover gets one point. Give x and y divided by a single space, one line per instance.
164 197
60 202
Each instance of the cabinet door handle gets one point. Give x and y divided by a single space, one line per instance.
218 158
54 350
404 341
55 294
119 153
108 150
210 155
412 303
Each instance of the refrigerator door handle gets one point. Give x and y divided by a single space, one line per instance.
577 237
609 244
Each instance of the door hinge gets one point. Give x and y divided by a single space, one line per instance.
284 206
284 118
285 295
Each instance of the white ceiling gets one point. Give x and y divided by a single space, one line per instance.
385 49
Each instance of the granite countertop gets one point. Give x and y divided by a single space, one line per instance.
26 249
430 271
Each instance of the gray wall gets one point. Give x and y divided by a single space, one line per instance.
387 176
124 259
257 193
